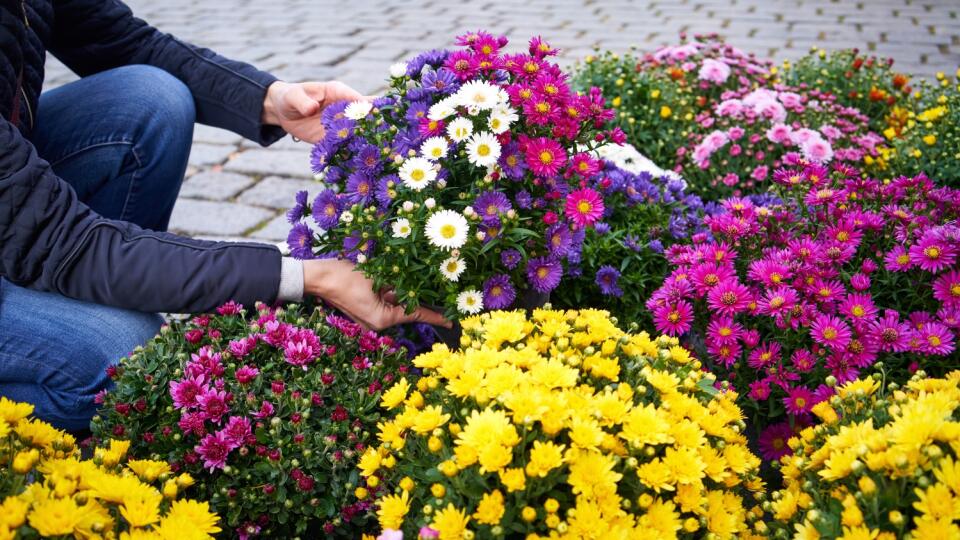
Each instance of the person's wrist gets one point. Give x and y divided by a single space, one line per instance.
270 116
316 278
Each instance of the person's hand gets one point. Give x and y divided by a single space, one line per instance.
343 287
296 107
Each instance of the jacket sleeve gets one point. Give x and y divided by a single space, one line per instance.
51 241
90 36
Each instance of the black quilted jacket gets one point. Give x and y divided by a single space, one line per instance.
51 241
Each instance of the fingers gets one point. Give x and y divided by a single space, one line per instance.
330 92
302 102
425 315
389 297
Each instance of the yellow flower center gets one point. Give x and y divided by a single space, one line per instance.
955 289
543 107
725 331
775 277
530 67
483 150
584 207
550 89
542 272
824 292
451 267
486 49
903 259
496 290
934 341
363 188
674 316
830 333
843 236
512 160
932 252
343 132
546 157
858 311
418 174
448 231
432 125
728 298
800 402
330 210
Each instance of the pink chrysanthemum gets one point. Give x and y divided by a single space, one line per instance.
673 319
707 275
859 308
726 353
946 288
831 332
803 360
246 374
764 355
891 333
932 254
185 391
723 330
729 298
897 260
777 302
584 207
214 449
938 339
213 404
545 156
237 431
799 400
773 441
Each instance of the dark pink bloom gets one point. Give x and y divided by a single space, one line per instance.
230 308
673 319
243 346
237 430
773 441
545 156
193 336
192 422
831 332
938 339
764 355
799 400
723 330
246 374
213 404
729 298
266 410
946 288
214 449
184 392
932 254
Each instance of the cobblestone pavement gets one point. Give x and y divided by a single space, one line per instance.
235 189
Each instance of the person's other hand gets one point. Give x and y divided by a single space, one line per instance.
347 289
296 107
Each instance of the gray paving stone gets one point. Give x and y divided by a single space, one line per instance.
215 185
266 162
191 216
276 192
207 134
275 230
203 154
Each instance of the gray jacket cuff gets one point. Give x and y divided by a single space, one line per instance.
291 280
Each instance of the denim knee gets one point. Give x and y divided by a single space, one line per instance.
161 95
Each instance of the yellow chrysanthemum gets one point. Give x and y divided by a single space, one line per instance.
451 522
513 479
395 395
490 510
12 412
141 511
393 508
56 517
147 469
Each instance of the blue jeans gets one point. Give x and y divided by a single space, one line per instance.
121 139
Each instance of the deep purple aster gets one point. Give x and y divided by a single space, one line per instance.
607 278
510 258
524 200
498 292
334 112
319 157
338 133
544 273
326 209
655 245
300 241
334 175
355 244
632 242
419 94
359 188
368 159
299 209
559 240
416 111
491 204
441 81
383 101
601 228
512 161
574 270
433 58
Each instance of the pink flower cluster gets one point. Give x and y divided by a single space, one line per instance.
784 295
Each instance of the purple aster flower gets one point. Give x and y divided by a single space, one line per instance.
419 94
559 240
433 58
299 209
326 209
498 292
386 190
334 112
512 162
383 101
355 244
510 258
359 188
338 133
441 81
300 241
607 278
416 111
655 245
574 270
524 200
601 227
334 175
368 159
632 242
544 273
319 157
491 204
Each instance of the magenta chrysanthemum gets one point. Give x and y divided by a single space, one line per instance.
214 449
545 157
729 298
799 400
584 207
673 319
831 332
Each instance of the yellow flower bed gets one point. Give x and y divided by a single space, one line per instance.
48 491
562 426
880 466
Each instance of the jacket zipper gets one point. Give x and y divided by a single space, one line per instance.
23 92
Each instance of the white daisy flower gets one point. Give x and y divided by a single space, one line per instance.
442 109
358 110
501 118
346 216
401 228
434 148
398 70
483 149
470 302
407 206
430 203
361 258
452 268
460 129
447 229
480 94
417 173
